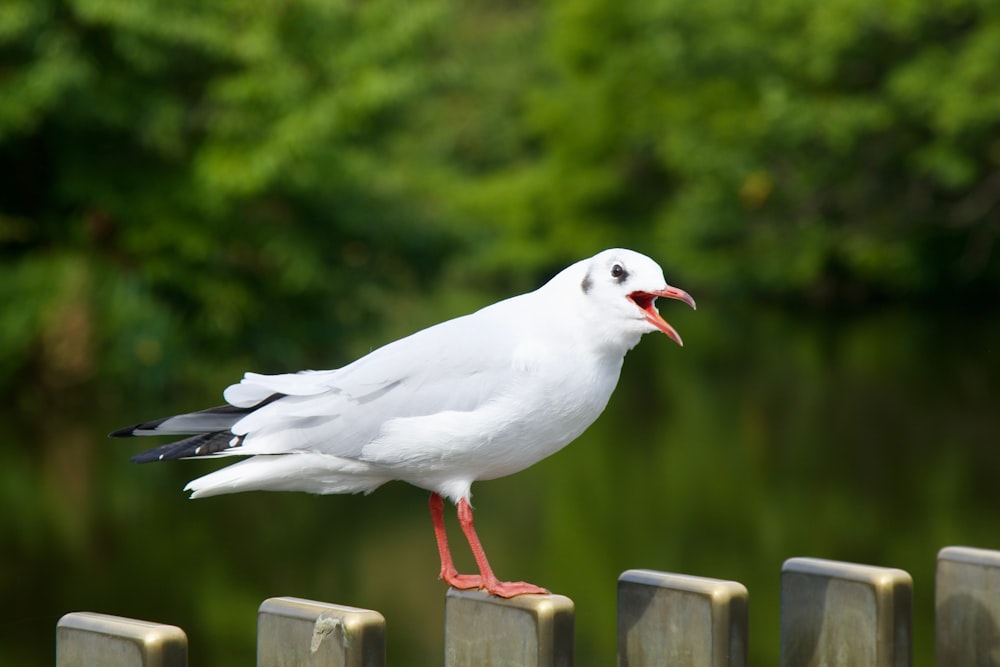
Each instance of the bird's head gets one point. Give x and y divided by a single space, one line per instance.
623 285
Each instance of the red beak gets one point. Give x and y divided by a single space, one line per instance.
647 303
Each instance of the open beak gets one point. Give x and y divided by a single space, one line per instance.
646 301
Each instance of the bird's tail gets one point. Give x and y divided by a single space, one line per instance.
210 432
309 472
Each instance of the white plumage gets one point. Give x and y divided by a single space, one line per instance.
473 398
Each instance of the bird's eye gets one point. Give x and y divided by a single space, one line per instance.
617 271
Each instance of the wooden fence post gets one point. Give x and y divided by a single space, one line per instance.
85 639
677 619
967 607
842 615
293 631
528 630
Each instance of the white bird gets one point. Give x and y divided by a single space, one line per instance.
473 398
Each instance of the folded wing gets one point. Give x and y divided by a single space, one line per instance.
449 367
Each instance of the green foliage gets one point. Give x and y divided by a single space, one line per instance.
836 150
262 180
212 177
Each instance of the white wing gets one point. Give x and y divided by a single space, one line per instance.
458 365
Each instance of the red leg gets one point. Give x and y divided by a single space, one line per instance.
504 589
448 571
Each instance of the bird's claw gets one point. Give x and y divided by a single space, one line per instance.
503 589
509 589
462 582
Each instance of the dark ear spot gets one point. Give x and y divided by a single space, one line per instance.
585 285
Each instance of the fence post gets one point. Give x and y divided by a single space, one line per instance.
676 619
529 630
843 614
967 606
84 639
293 631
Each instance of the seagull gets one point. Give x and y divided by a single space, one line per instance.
473 398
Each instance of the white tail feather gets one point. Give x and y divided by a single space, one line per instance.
311 473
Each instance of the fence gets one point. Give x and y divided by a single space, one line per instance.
832 613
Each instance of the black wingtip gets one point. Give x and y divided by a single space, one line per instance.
204 444
126 432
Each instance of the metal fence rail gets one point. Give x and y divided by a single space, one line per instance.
832 614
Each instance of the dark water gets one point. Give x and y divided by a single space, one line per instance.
868 438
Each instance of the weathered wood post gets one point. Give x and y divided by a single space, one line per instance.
528 630
837 614
293 631
85 639
678 619
967 607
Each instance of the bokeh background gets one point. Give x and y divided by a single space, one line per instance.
190 190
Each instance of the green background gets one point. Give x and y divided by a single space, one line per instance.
190 190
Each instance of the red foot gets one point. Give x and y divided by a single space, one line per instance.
504 589
486 580
509 589
462 581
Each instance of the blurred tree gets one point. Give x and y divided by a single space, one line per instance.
828 152
185 181
192 183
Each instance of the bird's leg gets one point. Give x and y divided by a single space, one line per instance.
492 585
448 572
